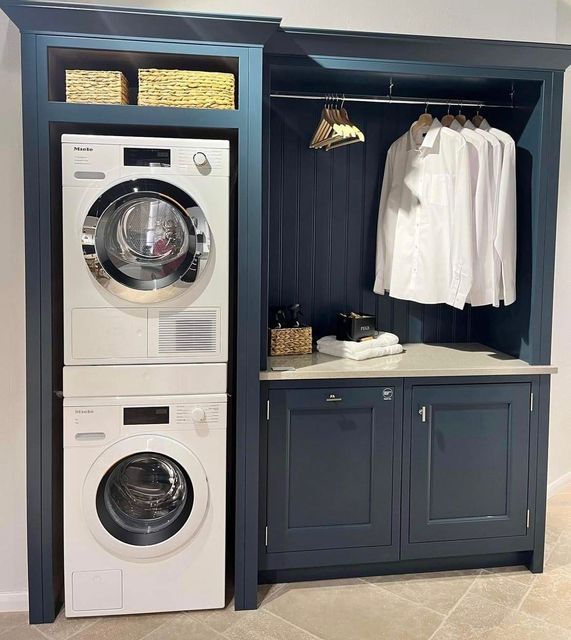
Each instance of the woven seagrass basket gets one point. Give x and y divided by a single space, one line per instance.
291 342
190 89
96 87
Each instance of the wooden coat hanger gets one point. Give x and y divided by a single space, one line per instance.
448 118
461 118
352 133
425 120
478 119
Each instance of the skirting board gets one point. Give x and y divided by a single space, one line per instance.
13 601
555 487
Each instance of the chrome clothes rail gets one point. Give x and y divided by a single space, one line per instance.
427 102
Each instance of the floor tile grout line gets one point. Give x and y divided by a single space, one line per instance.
531 615
456 605
291 624
175 615
398 595
73 635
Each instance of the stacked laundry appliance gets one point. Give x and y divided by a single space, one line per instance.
146 277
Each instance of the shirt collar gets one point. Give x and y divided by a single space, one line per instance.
469 125
429 139
456 126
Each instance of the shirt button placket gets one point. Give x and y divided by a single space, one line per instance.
417 224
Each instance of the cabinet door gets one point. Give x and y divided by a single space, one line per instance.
331 470
469 462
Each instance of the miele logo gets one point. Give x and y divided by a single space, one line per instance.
83 148
79 411
365 327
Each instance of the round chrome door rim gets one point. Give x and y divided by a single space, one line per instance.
161 445
111 284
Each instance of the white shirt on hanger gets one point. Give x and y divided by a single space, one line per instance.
496 170
425 231
505 239
483 194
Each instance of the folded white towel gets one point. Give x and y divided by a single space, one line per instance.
384 339
332 349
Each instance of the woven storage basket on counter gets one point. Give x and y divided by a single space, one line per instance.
291 342
96 87
190 89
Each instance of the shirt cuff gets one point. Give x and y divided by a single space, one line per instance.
459 289
379 286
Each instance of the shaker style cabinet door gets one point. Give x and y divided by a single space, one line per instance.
469 462
332 473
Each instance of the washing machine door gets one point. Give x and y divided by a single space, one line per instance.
146 240
145 497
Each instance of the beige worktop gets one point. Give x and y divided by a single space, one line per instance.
418 360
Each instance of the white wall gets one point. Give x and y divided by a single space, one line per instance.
501 19
13 582
560 436
533 20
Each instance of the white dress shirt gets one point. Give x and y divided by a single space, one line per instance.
425 235
488 257
483 194
505 240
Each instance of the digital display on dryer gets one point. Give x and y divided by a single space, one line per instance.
145 415
139 157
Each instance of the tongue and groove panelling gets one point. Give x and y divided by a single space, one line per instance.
323 209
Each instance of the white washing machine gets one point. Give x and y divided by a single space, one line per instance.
144 504
145 250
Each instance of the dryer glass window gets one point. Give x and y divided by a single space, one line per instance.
145 499
147 241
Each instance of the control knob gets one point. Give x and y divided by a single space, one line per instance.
200 159
198 414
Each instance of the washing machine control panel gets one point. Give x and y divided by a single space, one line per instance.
188 414
95 424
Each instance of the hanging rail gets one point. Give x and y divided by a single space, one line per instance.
429 102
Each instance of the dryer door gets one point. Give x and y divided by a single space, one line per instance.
145 496
146 240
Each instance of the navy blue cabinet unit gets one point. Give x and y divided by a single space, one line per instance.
346 474
467 466
333 476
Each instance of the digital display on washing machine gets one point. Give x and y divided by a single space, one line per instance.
139 157
145 415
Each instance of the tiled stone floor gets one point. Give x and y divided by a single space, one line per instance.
497 604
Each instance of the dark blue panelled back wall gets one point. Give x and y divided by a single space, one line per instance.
323 208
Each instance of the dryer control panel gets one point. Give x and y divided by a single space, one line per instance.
100 159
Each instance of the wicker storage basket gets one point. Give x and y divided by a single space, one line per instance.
290 342
96 87
191 89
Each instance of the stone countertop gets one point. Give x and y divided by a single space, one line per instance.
418 360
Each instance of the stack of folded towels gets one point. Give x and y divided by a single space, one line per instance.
384 344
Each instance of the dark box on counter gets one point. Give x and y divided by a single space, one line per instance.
355 326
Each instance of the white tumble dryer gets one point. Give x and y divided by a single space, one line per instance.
145 250
144 504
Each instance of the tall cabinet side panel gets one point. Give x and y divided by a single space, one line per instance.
248 341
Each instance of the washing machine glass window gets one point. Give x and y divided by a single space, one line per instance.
144 499
146 237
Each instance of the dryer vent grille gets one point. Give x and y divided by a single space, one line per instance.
191 331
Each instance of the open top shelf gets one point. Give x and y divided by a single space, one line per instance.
61 59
